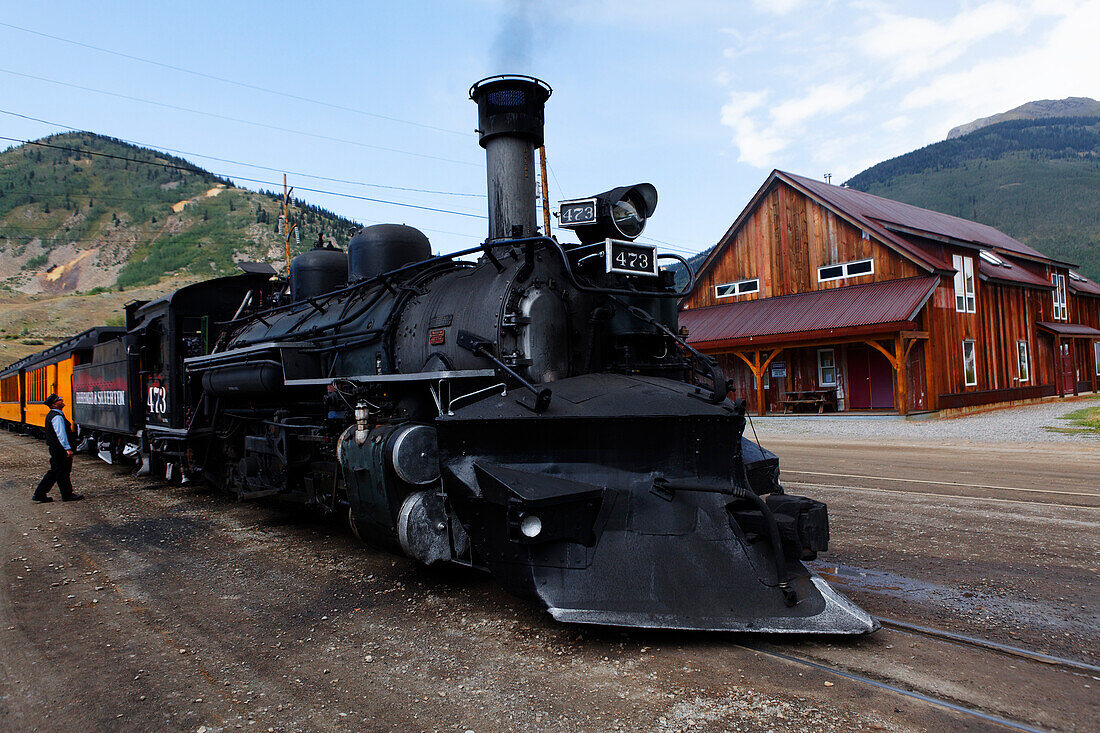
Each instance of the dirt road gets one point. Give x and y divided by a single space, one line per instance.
150 607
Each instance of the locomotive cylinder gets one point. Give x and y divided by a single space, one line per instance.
510 112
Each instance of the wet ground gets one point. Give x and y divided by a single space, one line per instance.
150 607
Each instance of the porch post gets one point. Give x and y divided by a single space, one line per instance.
1092 362
1073 364
1058 370
901 374
758 371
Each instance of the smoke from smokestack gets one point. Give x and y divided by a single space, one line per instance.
513 45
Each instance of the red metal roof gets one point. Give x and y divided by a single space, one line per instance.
1016 272
1069 330
913 217
1084 286
894 302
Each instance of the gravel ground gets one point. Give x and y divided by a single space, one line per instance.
1026 424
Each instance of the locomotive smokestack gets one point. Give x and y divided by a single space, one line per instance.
510 119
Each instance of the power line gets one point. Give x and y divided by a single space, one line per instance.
237 119
242 84
200 171
249 165
674 247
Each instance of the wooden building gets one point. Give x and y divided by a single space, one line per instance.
821 297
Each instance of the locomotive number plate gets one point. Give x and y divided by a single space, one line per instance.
630 258
577 213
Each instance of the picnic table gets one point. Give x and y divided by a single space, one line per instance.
819 398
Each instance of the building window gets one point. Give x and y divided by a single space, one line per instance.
741 287
1061 310
826 368
991 258
1096 356
970 366
845 269
1022 362
965 301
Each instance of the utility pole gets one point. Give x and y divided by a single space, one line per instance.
286 223
545 193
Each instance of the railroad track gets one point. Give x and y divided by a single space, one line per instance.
1070 503
1069 665
960 708
965 700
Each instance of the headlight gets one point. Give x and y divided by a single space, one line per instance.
619 213
530 526
628 219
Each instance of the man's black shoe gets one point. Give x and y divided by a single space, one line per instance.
42 499
72 497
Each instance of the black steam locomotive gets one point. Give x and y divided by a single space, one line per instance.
535 412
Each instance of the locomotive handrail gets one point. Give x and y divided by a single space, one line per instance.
195 361
483 347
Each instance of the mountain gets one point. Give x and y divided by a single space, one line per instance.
1068 107
1037 180
81 212
695 261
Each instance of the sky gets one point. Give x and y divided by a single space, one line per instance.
364 105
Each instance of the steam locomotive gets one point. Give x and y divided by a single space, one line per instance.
535 413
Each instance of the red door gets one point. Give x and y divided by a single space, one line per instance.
918 400
870 380
859 379
1069 373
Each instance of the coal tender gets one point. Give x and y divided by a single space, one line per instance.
535 413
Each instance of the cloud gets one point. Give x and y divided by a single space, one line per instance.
761 133
1060 63
823 99
835 88
777 7
756 146
910 45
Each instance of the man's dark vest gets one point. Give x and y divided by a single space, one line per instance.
51 438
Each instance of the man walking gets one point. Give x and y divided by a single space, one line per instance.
60 439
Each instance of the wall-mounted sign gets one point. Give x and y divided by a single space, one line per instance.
779 369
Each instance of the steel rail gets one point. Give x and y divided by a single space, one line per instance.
1005 649
956 707
945 483
842 487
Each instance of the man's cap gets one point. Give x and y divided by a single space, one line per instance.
53 398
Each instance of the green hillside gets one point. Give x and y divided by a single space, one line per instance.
1037 180
81 212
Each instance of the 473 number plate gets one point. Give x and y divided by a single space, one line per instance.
577 213
630 258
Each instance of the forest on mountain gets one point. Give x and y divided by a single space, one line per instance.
1037 180
80 212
